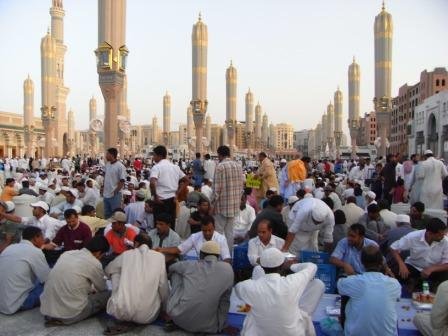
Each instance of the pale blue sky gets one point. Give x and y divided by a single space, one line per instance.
292 54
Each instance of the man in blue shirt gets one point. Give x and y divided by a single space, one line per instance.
347 254
198 170
370 310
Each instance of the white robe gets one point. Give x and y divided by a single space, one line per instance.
139 285
434 171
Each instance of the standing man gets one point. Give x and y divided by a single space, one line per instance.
164 182
227 187
209 167
115 176
198 170
388 176
266 172
434 171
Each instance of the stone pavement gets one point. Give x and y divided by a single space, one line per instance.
31 323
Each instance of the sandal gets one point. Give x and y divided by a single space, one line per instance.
117 329
53 323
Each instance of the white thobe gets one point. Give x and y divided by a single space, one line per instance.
434 171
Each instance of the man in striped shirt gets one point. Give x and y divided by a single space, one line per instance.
227 189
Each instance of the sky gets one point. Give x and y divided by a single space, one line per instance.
293 54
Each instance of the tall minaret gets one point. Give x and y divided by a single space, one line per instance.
249 129
383 31
166 118
111 65
70 133
48 89
318 142
28 116
323 134
330 128
354 76
92 108
208 130
271 140
264 132
199 40
190 125
155 130
258 125
231 79
338 121
60 121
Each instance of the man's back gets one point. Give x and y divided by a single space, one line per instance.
371 308
228 186
200 294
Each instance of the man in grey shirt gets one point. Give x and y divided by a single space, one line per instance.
23 270
114 178
200 288
76 287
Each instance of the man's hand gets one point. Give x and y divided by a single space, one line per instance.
426 272
157 200
348 269
50 246
403 271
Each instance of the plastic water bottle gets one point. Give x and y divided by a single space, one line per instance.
425 287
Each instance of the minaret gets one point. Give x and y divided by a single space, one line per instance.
93 139
264 132
225 140
111 65
271 140
249 129
323 134
208 130
318 142
199 40
330 128
48 89
338 121
258 126
70 133
383 31
60 120
354 75
231 79
166 118
155 130
190 125
28 116
92 108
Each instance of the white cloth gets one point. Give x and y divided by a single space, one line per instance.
274 302
304 228
209 167
337 204
49 225
421 254
256 247
389 218
196 240
356 173
168 176
207 191
134 211
90 197
139 285
352 213
434 171
244 220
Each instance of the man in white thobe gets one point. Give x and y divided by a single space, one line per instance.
434 171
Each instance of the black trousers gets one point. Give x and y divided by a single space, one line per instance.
434 280
167 206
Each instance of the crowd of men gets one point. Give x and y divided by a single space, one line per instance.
155 239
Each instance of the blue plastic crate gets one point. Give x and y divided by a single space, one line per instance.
240 259
315 257
327 274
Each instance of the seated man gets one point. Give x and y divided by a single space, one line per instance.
24 269
72 236
280 305
389 218
196 240
347 254
120 237
136 210
402 228
200 292
375 227
76 287
203 209
273 213
146 221
243 220
263 241
436 322
138 277
164 236
428 255
88 216
71 200
419 219
372 296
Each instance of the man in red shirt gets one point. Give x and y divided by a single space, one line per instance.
72 236
121 237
